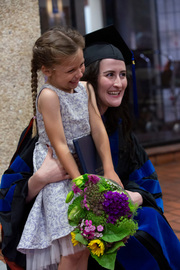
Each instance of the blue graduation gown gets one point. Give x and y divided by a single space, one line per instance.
155 245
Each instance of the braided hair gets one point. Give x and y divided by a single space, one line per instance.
50 49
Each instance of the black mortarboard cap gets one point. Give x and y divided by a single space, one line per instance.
106 43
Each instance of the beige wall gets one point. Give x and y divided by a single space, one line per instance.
19 28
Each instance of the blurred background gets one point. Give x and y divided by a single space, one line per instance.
151 28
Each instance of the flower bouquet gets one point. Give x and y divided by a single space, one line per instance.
102 214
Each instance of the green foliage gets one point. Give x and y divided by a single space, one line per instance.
97 220
114 233
130 224
70 196
107 260
109 185
81 239
133 207
89 205
75 211
115 247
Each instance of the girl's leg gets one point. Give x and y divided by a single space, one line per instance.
83 262
77 261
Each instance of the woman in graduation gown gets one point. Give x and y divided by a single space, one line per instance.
154 246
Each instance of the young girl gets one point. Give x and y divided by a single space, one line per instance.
64 112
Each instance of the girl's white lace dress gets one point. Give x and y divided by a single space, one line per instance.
46 235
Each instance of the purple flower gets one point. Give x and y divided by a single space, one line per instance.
116 205
88 222
84 200
92 228
85 203
98 235
87 207
93 178
87 230
100 228
75 188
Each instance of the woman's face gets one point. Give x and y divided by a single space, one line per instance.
112 82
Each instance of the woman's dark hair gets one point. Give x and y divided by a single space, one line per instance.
113 114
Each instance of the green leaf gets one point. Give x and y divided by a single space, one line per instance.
102 188
75 211
81 239
114 234
106 260
133 207
115 247
73 223
85 176
70 196
79 181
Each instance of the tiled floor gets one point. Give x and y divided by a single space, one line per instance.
169 177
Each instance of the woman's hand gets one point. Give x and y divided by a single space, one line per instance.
135 197
51 171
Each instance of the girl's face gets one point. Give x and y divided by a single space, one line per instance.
66 76
112 82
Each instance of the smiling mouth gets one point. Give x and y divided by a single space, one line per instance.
74 82
114 93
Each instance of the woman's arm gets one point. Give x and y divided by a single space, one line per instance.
48 105
51 171
100 138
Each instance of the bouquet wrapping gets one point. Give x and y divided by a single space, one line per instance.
102 214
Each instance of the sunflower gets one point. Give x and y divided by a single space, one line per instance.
73 240
97 247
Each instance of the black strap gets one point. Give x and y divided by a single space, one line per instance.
25 135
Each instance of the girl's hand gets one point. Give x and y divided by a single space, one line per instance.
113 176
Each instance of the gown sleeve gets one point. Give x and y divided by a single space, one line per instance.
135 169
13 192
154 244
144 175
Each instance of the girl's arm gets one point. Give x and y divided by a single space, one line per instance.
100 137
49 107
